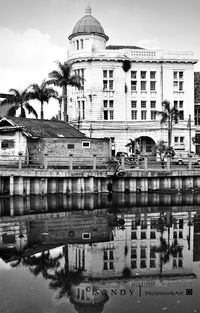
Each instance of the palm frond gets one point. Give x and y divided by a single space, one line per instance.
12 111
31 110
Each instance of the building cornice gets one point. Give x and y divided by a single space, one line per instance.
138 60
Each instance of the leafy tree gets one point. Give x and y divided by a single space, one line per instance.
63 78
170 116
19 100
43 94
197 87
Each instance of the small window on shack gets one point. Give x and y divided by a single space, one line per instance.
70 146
7 144
85 144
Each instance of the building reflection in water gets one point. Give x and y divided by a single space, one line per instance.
104 244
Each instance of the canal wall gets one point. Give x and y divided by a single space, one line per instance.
26 182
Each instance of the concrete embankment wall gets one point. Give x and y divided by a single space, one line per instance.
26 182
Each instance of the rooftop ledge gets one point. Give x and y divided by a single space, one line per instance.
158 55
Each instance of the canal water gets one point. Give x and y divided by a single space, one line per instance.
100 253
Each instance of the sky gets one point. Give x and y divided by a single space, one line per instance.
34 34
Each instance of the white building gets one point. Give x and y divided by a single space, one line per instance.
121 103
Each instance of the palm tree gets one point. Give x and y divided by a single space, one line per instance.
166 250
133 146
160 148
42 93
19 100
170 117
63 77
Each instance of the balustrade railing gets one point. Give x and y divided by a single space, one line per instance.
94 162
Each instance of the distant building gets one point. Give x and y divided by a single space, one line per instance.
124 86
35 138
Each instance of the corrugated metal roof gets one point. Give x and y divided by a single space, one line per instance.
46 128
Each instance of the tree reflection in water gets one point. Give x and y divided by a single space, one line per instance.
62 281
38 264
165 249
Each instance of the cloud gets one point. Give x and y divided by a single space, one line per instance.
151 44
27 56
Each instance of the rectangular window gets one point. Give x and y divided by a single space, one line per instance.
133 264
81 43
153 104
143 264
133 74
108 82
143 104
152 85
133 253
104 74
180 75
143 235
143 115
176 139
152 263
133 85
108 114
178 80
133 104
152 253
180 86
83 110
85 144
77 44
142 253
182 139
143 85
152 235
134 115
181 104
153 115
176 104
181 115
133 235
152 75
105 85
175 75
143 74
111 115
86 236
80 73
111 103
70 146
110 74
7 144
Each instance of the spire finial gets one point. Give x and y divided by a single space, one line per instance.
88 10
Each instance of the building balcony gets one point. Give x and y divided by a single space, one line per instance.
143 93
178 94
108 93
153 94
80 94
133 93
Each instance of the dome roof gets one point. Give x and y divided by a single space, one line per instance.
88 25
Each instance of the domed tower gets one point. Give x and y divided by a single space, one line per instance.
87 35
